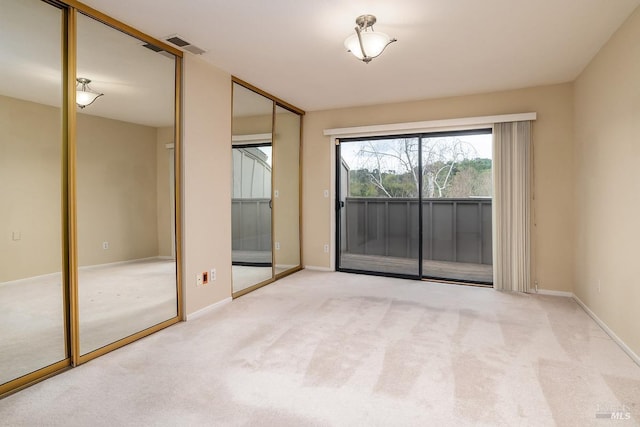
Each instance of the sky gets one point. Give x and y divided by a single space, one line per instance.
475 146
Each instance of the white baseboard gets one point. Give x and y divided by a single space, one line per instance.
207 309
609 332
128 261
57 275
87 267
316 268
553 293
286 266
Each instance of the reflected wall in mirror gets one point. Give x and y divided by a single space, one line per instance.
251 204
286 202
32 326
125 182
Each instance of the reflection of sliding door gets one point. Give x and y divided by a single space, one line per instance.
32 319
251 205
416 206
127 271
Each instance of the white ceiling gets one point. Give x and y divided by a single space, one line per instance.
294 49
138 84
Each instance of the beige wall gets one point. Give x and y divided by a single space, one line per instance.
206 183
553 168
116 187
252 125
607 196
164 156
30 177
117 190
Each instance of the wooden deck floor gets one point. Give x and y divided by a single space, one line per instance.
257 257
435 269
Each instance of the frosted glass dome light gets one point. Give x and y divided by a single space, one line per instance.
366 43
84 94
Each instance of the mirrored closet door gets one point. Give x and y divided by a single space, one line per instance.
126 254
89 187
266 188
251 203
286 193
32 292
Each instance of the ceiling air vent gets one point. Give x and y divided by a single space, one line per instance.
152 47
158 50
178 41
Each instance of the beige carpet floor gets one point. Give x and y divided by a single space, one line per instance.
334 349
245 276
115 301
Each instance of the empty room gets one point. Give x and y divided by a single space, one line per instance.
319 213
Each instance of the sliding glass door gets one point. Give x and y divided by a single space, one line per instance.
456 207
416 206
378 207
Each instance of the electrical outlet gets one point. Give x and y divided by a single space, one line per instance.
326 248
212 276
105 245
199 279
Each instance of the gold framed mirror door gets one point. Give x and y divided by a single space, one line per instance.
286 193
33 320
266 134
89 195
251 199
124 152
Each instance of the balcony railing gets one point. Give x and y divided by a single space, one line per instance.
454 230
251 224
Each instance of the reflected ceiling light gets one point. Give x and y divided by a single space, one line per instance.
84 94
366 43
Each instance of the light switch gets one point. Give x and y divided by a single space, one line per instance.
326 193
16 235
276 194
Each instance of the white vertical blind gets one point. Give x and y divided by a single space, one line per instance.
511 206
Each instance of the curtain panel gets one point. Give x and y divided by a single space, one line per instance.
511 206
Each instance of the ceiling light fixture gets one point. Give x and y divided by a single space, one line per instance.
366 43
84 94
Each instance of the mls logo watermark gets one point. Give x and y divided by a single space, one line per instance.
613 412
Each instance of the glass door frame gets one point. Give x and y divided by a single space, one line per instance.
339 204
